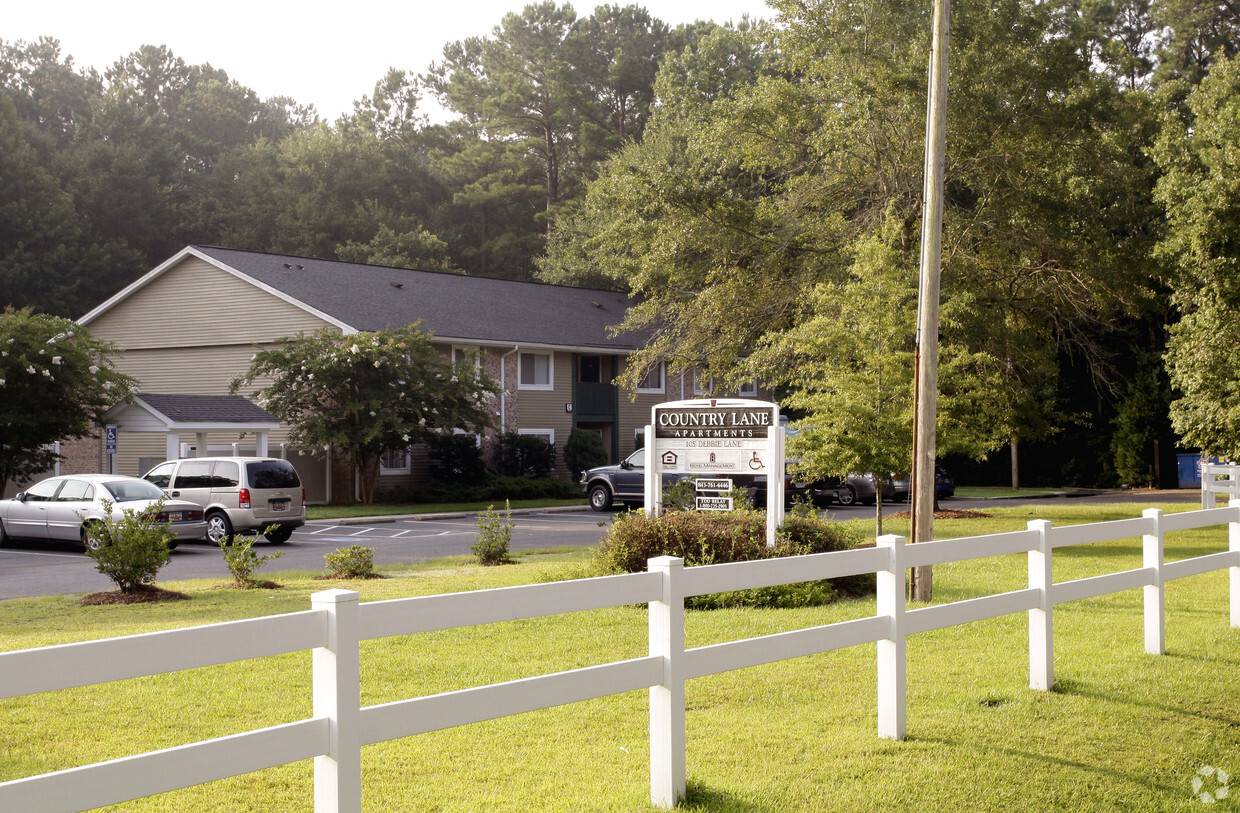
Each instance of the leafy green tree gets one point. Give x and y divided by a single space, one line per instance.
519 85
132 548
583 450
1138 425
367 393
55 383
1200 189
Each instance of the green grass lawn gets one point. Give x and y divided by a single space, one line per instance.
1122 731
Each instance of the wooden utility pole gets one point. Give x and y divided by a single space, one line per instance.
926 392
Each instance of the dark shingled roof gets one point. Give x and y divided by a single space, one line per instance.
207 408
371 298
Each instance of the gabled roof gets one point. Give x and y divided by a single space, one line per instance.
206 408
358 297
151 410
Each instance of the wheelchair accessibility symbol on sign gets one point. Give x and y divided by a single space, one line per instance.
756 463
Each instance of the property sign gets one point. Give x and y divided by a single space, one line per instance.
719 437
109 434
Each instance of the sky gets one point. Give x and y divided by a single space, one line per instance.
323 54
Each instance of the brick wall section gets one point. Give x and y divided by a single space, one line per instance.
83 455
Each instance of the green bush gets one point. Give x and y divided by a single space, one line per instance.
353 562
456 458
583 450
707 538
129 549
494 534
492 489
242 561
524 455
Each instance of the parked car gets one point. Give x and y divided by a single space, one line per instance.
944 485
238 494
860 488
624 481
62 508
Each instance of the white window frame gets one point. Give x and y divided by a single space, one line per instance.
661 369
550 385
548 434
749 389
406 469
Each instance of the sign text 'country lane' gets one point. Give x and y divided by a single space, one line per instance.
712 423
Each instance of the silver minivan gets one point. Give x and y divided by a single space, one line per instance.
237 494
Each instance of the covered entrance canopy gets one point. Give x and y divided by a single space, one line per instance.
174 415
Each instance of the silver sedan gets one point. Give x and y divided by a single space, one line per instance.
61 508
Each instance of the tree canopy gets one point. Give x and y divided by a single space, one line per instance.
367 394
56 382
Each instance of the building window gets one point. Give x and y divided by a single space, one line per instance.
394 462
536 371
748 390
590 370
546 434
654 380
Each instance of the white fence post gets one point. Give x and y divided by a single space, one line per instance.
892 677
338 696
1041 618
1233 544
1152 556
667 700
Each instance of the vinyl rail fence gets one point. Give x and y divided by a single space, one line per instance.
1219 479
338 728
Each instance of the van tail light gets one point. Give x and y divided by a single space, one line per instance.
243 497
303 495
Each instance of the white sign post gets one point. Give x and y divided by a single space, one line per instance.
718 439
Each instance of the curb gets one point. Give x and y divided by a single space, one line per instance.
380 518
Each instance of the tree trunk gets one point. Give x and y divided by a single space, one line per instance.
1015 466
368 475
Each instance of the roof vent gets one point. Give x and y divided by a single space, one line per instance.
288 265
595 304
301 267
397 284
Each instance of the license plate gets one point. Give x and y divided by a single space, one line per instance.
175 516
279 506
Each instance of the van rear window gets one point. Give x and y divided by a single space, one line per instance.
272 474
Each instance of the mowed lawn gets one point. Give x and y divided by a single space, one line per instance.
1122 731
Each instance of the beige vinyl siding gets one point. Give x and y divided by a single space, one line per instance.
206 370
544 409
192 302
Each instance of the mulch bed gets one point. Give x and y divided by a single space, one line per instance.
143 594
344 577
943 515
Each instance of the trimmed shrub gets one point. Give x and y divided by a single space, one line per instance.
129 549
353 562
707 538
524 456
242 561
584 450
493 488
456 458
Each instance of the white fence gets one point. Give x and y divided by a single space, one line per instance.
1219 479
338 728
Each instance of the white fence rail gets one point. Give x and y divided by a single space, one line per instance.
1219 479
333 629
